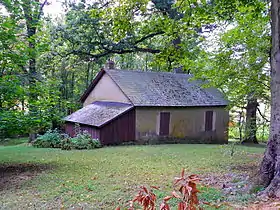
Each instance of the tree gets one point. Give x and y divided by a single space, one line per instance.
101 30
270 167
30 12
237 63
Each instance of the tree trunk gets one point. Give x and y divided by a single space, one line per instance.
270 167
251 121
240 127
33 95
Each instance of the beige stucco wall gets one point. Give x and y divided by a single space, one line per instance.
106 90
184 123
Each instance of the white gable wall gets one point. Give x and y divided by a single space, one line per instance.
106 90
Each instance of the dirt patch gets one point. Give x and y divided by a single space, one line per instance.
268 204
238 180
240 183
14 175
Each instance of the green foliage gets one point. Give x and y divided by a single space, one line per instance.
66 143
54 139
51 139
83 140
238 63
12 123
138 35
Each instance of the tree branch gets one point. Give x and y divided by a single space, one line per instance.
148 36
112 51
259 111
41 9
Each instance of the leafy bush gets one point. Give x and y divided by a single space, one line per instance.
66 142
51 139
83 140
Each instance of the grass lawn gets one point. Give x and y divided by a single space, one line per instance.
38 178
13 141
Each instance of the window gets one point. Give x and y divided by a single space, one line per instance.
164 121
209 121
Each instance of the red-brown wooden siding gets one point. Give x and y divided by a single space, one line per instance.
94 132
121 129
70 130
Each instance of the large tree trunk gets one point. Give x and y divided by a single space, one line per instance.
32 79
251 121
32 11
270 167
33 95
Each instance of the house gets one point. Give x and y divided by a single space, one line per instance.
123 106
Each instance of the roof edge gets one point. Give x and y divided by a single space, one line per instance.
107 72
106 122
92 85
204 106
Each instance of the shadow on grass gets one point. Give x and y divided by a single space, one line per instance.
16 174
260 145
13 141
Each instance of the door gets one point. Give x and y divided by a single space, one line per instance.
208 120
164 123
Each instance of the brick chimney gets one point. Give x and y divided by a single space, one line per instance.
110 64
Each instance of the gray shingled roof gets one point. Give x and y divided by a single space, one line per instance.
165 89
98 113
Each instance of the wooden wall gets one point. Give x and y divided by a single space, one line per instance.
70 130
119 130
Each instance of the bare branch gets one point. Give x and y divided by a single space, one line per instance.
41 9
259 111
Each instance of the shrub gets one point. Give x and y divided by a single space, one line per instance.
66 142
51 139
83 140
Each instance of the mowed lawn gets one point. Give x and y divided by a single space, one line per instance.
103 178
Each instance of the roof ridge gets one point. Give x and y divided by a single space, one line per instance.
149 71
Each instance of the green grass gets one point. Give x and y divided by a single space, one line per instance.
13 141
103 178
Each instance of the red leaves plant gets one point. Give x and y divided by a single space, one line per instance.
146 198
185 191
187 186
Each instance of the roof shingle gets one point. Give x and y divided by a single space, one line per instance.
98 113
165 89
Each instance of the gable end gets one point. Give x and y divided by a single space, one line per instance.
92 85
